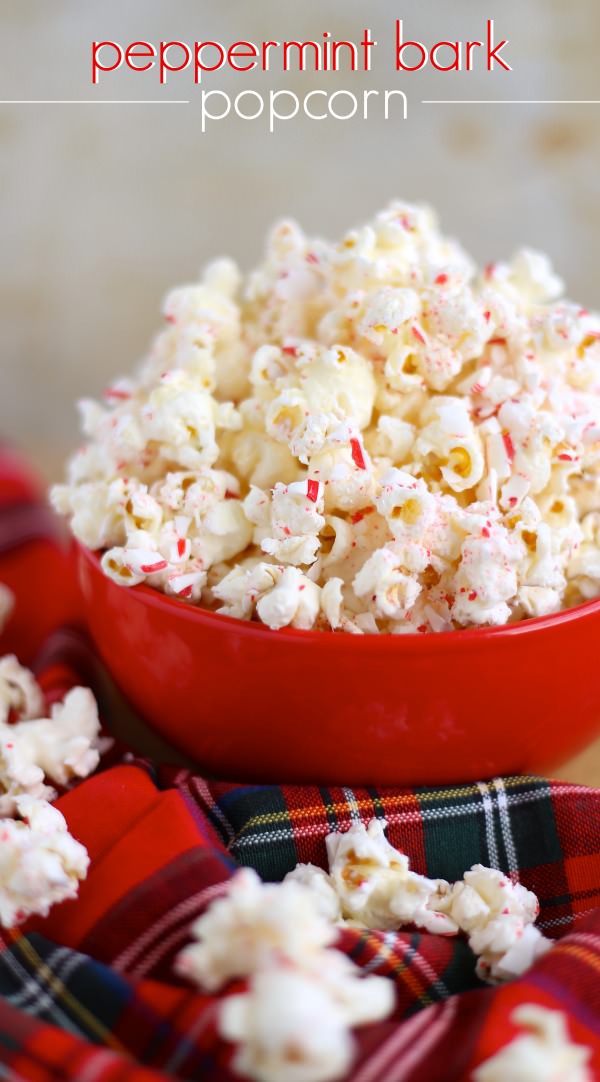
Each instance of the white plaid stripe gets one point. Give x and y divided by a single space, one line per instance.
186 911
410 955
405 1066
353 807
37 994
490 830
400 818
507 835
406 1034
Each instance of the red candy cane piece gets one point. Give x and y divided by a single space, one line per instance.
312 490
358 456
509 446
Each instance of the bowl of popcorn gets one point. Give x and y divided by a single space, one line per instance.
344 521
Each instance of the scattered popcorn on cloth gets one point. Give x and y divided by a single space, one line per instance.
498 917
33 748
374 885
293 1022
19 692
367 436
253 926
287 1029
370 885
543 1053
40 863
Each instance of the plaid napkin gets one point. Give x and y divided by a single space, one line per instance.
90 993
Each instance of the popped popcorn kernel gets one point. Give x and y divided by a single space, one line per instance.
378 376
542 1052
40 863
370 885
35 750
498 916
302 998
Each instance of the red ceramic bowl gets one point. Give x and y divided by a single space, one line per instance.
248 703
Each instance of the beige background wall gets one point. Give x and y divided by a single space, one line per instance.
103 207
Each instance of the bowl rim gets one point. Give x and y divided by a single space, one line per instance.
442 640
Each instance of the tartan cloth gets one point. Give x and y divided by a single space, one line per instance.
90 993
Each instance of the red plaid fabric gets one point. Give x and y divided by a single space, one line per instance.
90 993
34 561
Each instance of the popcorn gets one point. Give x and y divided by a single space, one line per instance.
19 691
392 591
59 748
293 601
498 917
542 1053
321 886
288 1029
406 504
385 375
244 586
370 885
293 1021
251 927
332 601
40 863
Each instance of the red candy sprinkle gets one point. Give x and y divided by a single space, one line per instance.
187 591
485 532
115 392
149 569
418 334
180 546
473 595
312 490
509 446
312 258
359 515
357 454
441 280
